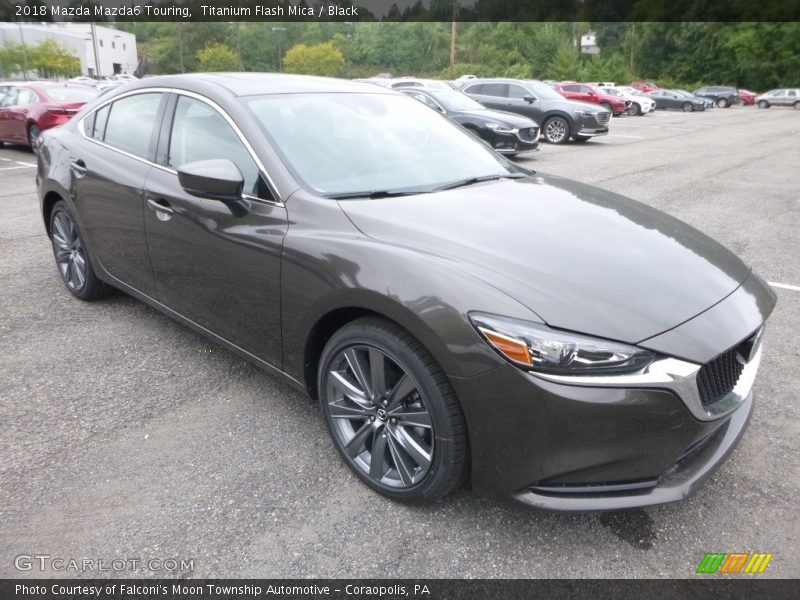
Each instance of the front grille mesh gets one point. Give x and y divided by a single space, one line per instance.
603 118
719 377
529 134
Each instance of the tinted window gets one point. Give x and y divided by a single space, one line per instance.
517 91
97 127
495 89
791 93
130 123
199 132
474 89
570 88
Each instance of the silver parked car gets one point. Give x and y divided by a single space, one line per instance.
781 97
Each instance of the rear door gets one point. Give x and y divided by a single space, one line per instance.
789 98
109 169
216 263
491 95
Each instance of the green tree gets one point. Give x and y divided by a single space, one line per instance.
217 57
321 59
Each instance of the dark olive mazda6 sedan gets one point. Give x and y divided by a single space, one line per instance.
457 317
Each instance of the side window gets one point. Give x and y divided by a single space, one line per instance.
10 99
95 126
199 132
26 97
130 122
791 94
517 91
495 89
426 100
474 89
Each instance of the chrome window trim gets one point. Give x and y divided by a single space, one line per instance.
196 96
677 375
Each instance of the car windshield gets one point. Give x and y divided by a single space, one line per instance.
369 144
456 101
542 90
71 94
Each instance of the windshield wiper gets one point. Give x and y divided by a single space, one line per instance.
374 194
474 180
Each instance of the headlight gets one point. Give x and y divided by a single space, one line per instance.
538 348
582 113
500 128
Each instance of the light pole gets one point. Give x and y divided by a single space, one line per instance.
280 31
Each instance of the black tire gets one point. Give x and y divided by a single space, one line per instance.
634 110
72 258
556 130
687 107
33 133
763 104
360 341
722 103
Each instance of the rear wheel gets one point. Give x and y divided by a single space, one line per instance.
687 107
392 413
556 130
763 104
33 133
722 103
72 258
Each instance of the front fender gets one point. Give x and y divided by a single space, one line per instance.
325 270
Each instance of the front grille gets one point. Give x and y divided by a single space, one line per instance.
718 378
603 118
529 134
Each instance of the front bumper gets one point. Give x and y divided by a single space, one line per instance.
566 447
515 141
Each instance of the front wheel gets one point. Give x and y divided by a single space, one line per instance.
763 104
72 258
722 103
556 130
634 110
687 107
392 413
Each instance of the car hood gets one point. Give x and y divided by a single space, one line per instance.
570 105
497 116
581 258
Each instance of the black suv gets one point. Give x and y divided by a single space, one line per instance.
560 119
722 95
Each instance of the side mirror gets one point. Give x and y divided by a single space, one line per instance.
217 179
529 99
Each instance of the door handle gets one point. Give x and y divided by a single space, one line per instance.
79 168
161 208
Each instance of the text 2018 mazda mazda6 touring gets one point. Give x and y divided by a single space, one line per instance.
457 317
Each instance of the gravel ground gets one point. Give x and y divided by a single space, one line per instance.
125 435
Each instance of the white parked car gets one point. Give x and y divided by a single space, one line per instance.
780 97
640 104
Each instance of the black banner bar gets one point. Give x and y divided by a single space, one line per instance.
401 10
720 588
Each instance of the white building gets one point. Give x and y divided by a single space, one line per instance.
103 51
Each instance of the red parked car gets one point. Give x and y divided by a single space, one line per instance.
28 109
747 97
644 86
589 93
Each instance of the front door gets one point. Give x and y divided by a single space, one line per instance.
216 263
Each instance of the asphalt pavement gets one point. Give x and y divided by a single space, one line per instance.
124 435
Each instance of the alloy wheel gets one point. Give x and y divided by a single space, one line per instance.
687 107
33 133
70 256
722 103
556 130
379 417
763 104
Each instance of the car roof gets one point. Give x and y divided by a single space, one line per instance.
251 84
